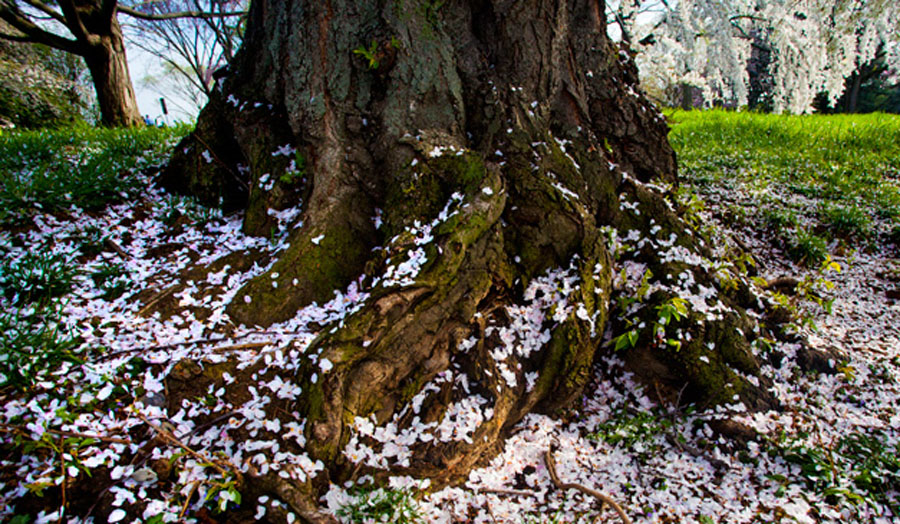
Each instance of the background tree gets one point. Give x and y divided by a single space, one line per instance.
91 30
191 48
481 175
804 47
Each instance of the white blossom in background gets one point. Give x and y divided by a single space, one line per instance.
815 45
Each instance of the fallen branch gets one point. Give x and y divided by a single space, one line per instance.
602 497
200 342
187 501
238 347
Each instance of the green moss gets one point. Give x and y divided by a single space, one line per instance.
313 399
412 387
569 355
319 269
713 377
420 192
33 96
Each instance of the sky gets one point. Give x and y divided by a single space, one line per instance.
143 65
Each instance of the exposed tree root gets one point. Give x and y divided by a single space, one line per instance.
602 497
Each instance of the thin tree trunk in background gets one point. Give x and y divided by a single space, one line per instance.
853 98
109 72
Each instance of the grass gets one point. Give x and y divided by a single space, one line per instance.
807 248
37 277
33 343
829 178
370 504
112 280
33 338
81 166
52 171
859 468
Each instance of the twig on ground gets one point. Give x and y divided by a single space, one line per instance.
238 347
490 510
155 299
16 429
209 424
172 439
195 342
513 492
602 497
187 501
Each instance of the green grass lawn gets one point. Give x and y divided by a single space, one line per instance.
81 166
812 180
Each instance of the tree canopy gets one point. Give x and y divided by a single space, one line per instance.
778 54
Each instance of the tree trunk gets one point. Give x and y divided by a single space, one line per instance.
501 145
106 60
853 94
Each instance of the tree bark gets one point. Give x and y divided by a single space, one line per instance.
853 93
108 65
500 143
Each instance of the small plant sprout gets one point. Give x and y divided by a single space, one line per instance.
370 54
112 280
674 309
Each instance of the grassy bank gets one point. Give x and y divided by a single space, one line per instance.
82 166
814 182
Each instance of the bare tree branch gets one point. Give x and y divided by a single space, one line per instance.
15 38
47 10
602 497
170 16
32 33
75 24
